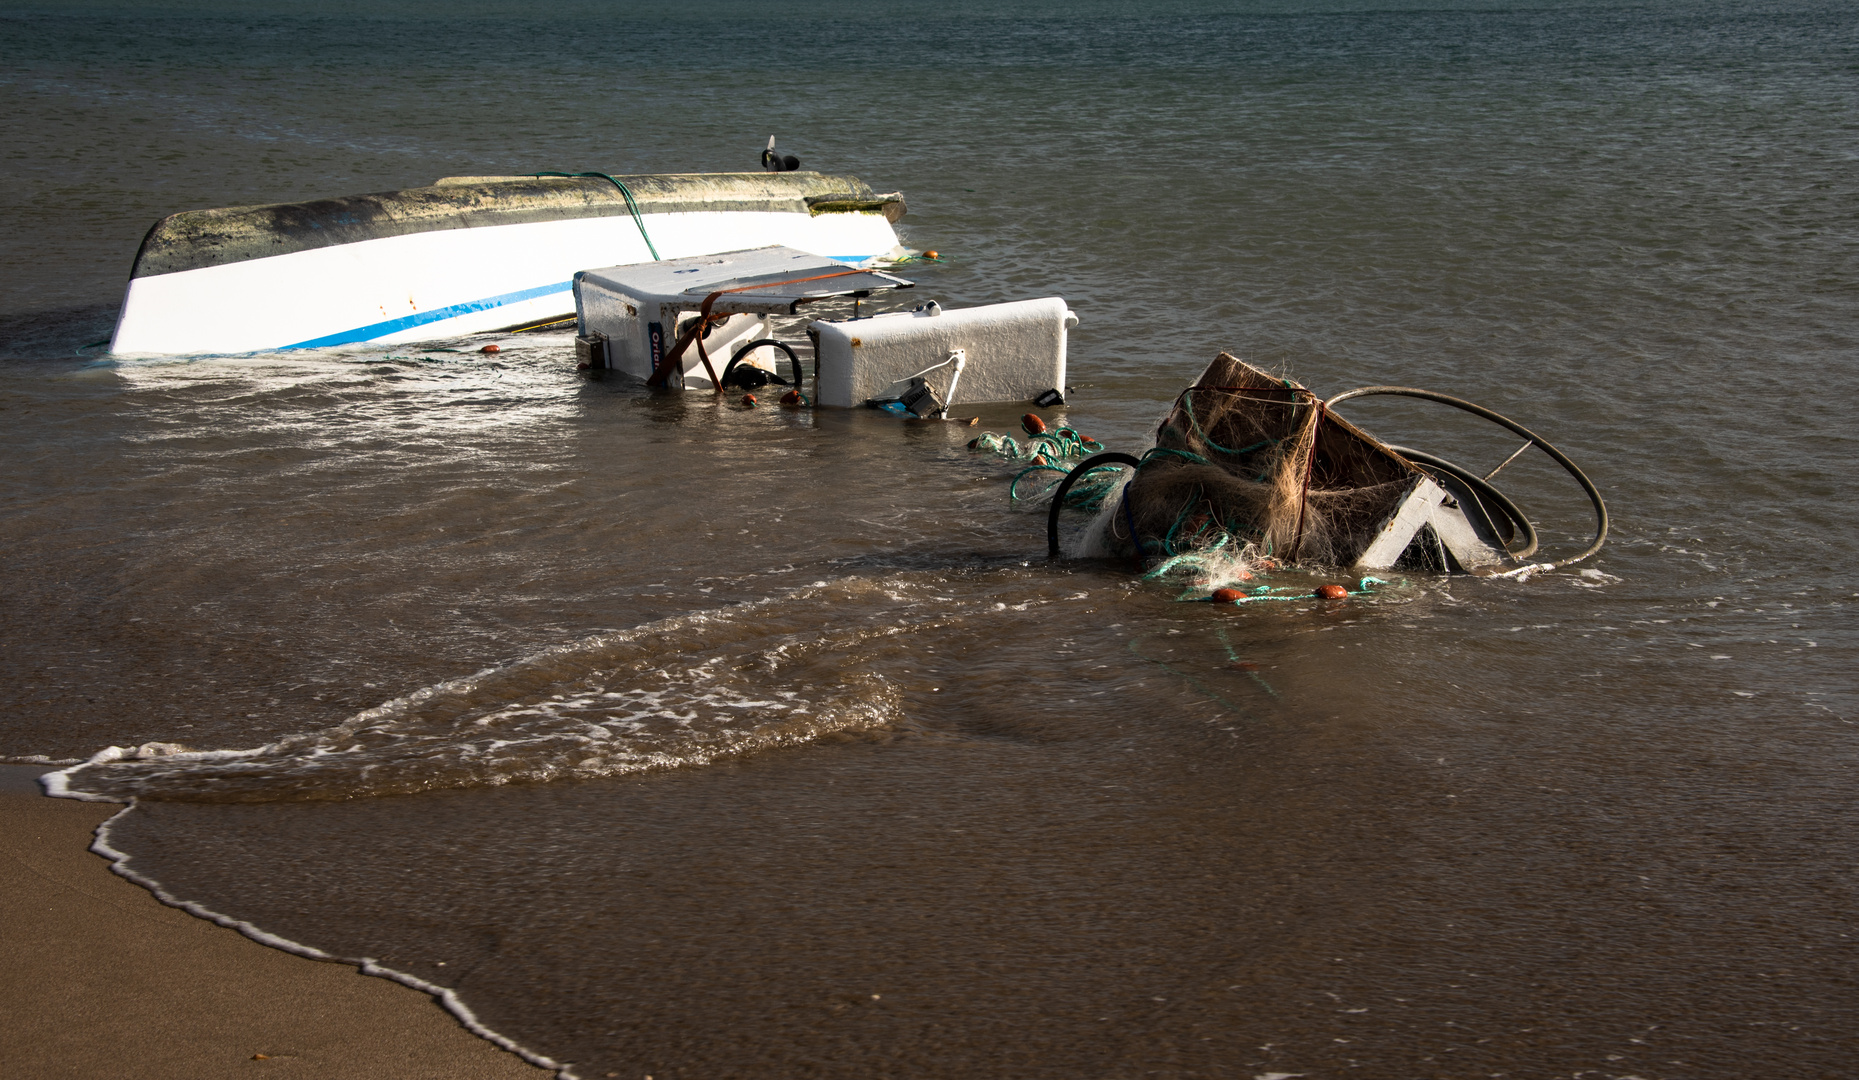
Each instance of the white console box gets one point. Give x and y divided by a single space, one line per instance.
641 308
1015 351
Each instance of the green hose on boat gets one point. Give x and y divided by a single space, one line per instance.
631 203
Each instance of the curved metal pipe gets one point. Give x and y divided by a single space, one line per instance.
1594 495
1483 489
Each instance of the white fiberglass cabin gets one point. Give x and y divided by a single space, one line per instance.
689 322
470 254
642 319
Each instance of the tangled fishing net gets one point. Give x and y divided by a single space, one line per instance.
1248 471
1244 458
1044 460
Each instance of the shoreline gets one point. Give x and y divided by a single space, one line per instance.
103 979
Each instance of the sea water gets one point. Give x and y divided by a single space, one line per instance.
693 741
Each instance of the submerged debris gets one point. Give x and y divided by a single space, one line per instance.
1250 470
1048 456
1244 459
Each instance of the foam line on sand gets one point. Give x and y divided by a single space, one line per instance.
98 978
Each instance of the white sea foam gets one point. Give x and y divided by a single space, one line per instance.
682 691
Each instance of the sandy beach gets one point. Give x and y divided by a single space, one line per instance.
99 979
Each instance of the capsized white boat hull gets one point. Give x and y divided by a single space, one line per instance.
462 272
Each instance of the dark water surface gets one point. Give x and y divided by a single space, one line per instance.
696 742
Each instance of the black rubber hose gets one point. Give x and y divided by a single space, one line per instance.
1108 457
792 360
1481 508
1486 493
1594 495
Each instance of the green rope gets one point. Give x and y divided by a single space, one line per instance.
1171 542
1194 424
1168 538
1194 562
1169 451
1062 443
1085 494
1003 445
1187 399
631 203
1013 486
1058 450
1289 592
1233 658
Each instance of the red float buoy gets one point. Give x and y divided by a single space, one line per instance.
490 349
749 400
1032 425
1331 592
1226 596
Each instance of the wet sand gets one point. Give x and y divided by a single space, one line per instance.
99 979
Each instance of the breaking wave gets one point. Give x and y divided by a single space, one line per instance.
681 691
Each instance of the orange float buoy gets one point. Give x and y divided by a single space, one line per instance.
1032 425
931 255
792 397
749 400
1331 592
490 349
1226 596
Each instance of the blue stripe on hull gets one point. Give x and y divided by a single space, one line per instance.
394 326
